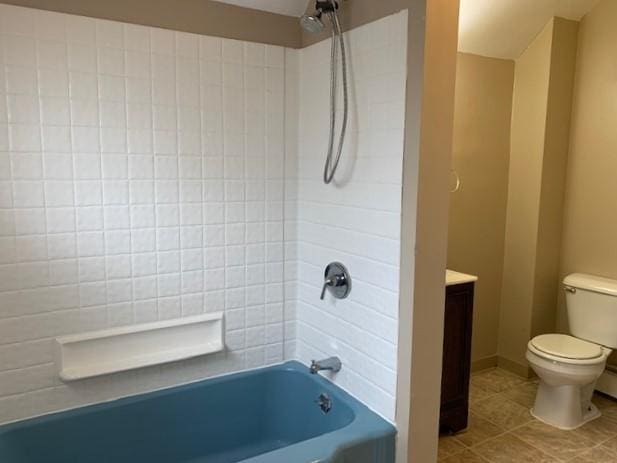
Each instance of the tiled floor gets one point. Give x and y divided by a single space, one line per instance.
501 429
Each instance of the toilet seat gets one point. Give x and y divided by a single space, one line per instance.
567 349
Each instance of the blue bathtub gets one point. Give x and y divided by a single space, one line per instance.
272 415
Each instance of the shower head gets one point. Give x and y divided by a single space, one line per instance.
312 23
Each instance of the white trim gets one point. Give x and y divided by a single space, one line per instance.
607 383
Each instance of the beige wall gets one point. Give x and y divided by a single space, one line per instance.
197 16
590 218
527 146
538 155
431 214
481 151
555 160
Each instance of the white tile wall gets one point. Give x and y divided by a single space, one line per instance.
141 178
148 174
356 220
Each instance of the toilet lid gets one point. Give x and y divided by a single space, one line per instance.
562 345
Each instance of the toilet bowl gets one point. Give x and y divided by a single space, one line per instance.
568 369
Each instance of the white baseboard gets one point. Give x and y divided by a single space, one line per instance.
607 383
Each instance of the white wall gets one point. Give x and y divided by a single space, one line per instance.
141 178
357 219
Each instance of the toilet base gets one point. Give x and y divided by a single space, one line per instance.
565 407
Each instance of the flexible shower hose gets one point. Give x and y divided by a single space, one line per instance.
331 165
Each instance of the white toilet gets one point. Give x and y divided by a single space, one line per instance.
569 366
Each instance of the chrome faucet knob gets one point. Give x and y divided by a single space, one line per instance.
337 279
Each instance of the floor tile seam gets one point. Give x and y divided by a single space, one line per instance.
482 441
482 457
503 431
578 453
603 447
533 447
530 418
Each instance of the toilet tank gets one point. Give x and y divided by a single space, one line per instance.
591 303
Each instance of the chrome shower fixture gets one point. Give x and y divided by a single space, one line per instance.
314 24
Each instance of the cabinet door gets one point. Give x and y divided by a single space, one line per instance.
456 357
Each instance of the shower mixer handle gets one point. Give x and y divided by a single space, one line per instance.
329 282
337 280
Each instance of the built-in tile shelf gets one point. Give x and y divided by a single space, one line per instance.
113 350
457 278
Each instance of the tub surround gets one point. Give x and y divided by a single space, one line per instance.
141 180
357 219
152 175
457 278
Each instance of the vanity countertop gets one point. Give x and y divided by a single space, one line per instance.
457 278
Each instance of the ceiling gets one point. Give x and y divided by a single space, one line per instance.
504 28
495 28
286 7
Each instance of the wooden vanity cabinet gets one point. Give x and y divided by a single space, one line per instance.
456 358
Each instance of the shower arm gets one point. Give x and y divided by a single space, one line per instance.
326 6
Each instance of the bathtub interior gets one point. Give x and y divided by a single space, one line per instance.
222 420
